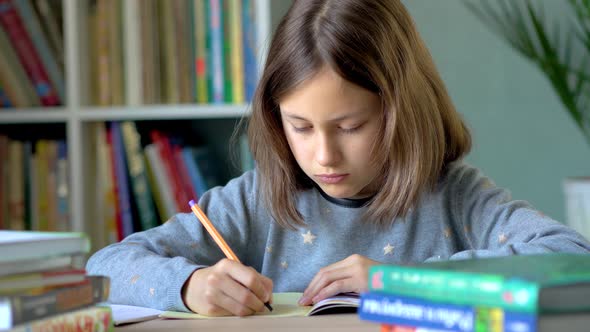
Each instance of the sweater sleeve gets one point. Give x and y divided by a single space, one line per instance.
496 225
149 268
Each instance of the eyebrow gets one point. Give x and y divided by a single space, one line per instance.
340 118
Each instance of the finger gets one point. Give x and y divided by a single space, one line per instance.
323 279
242 296
268 286
347 262
338 286
235 307
252 280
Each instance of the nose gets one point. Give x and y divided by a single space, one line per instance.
327 151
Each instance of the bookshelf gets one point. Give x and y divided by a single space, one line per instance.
78 115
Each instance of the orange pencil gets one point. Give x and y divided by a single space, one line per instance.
216 236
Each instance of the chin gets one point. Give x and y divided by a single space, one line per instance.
339 192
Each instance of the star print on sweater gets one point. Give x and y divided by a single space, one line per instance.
388 249
308 237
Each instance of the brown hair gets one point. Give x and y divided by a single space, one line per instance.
374 44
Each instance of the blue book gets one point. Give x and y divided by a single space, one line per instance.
4 101
413 312
123 195
215 58
249 42
32 25
194 171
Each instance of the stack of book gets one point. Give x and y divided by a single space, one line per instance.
515 293
41 289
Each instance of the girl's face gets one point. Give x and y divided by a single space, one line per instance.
331 125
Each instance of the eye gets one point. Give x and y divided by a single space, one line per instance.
301 129
351 130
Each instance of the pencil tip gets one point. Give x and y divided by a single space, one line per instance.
191 203
268 306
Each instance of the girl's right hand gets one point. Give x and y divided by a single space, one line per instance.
227 288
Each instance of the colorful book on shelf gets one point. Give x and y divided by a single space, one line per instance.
161 183
18 309
62 191
150 50
20 283
194 171
13 24
16 186
169 53
183 173
249 43
184 56
95 318
526 283
3 181
50 14
285 305
117 85
216 61
4 99
162 142
118 219
136 170
17 246
122 180
132 50
13 77
228 82
200 24
32 24
236 63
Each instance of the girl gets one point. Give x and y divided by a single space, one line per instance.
358 150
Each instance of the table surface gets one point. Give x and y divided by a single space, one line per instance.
337 322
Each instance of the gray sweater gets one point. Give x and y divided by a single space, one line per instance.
465 216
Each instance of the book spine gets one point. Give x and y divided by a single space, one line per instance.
137 173
414 312
237 50
228 90
13 77
89 319
194 172
123 195
455 286
249 46
25 308
200 33
216 51
4 99
167 206
12 23
32 24
63 208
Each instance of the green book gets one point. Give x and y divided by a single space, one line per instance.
526 283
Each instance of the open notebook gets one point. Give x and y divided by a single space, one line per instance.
285 305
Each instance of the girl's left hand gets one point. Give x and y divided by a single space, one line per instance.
348 275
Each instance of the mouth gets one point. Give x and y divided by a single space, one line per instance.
331 178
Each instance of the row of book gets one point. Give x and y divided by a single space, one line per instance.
34 191
31 53
143 181
43 289
172 51
525 293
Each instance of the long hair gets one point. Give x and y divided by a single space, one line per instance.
375 45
